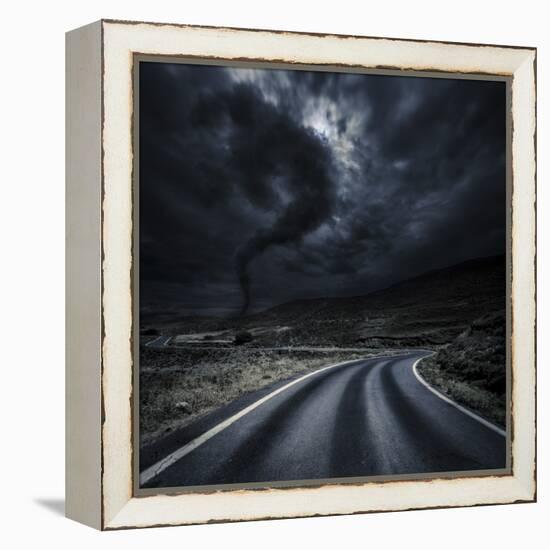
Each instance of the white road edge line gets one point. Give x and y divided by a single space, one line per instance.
158 338
170 459
153 341
471 414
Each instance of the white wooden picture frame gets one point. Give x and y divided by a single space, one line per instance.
100 470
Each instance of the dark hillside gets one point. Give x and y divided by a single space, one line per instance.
431 309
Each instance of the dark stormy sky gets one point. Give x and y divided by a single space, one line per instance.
270 185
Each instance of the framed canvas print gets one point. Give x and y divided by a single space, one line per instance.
300 274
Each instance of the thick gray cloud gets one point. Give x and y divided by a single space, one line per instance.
262 186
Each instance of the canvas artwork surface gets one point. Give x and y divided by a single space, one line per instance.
322 275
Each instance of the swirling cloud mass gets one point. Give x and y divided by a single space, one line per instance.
262 186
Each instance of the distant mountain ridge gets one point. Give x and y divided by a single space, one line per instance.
431 308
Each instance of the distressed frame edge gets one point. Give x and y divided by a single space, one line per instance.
524 270
115 21
83 323
523 489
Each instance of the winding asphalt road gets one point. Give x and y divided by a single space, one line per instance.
362 418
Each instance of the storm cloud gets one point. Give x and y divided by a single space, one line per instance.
262 186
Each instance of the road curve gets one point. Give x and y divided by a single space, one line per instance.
159 342
368 417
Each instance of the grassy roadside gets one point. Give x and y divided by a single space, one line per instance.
177 386
472 369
